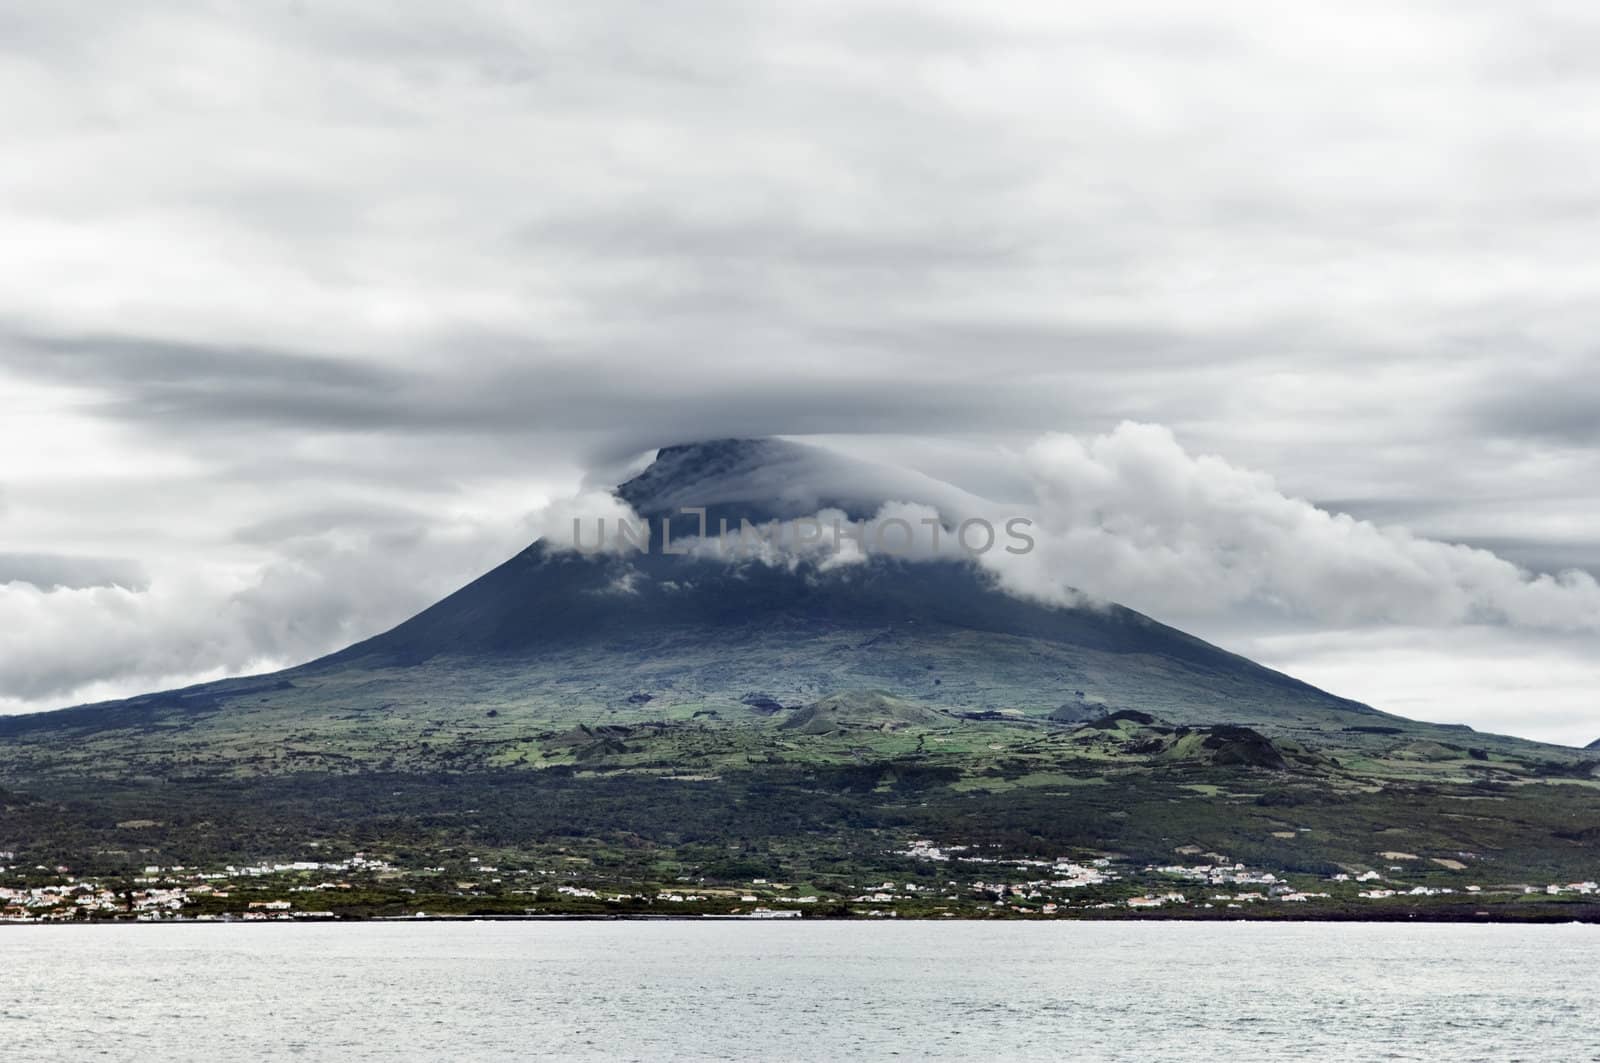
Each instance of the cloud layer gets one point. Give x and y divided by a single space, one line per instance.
1131 516
1127 516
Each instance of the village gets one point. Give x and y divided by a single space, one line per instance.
970 882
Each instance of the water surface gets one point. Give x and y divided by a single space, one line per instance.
812 991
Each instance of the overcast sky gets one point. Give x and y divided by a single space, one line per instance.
307 309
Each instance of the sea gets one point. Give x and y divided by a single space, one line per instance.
830 991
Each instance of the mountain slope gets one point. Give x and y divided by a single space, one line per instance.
636 704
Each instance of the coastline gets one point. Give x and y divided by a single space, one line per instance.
1544 916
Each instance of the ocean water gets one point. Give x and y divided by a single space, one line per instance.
806 991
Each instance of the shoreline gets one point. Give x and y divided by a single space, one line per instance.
1589 917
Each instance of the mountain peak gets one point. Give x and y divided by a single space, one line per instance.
716 471
779 479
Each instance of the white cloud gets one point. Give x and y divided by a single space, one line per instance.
195 620
591 522
1132 517
1129 516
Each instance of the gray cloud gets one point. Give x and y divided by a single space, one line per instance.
1542 405
49 572
178 384
190 391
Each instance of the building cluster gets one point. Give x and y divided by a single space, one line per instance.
76 899
159 892
961 879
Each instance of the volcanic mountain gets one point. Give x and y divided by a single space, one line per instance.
562 688
587 637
